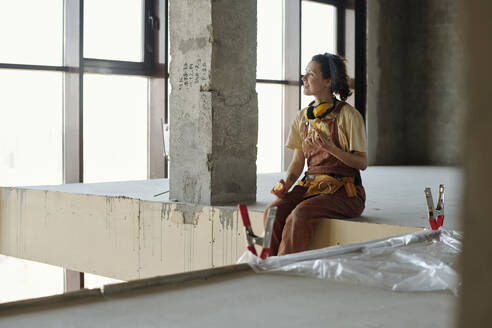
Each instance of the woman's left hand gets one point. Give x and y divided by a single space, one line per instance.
319 139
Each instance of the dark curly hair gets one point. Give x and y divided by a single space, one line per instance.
342 78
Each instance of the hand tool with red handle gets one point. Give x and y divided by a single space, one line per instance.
435 216
257 240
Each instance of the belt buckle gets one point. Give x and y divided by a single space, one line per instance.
330 186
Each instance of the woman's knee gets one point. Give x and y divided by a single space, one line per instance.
299 215
283 210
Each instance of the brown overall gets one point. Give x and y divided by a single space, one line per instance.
298 215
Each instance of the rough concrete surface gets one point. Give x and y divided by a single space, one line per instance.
116 237
395 194
476 308
249 300
414 93
213 105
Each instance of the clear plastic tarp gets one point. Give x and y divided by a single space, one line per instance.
421 261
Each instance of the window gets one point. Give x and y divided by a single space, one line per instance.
269 40
269 74
30 127
115 128
115 110
114 29
107 112
269 127
96 281
316 15
22 279
111 90
31 32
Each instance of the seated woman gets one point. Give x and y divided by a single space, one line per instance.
330 135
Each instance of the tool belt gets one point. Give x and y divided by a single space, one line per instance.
327 184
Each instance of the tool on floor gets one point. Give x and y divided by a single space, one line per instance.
436 216
161 193
257 240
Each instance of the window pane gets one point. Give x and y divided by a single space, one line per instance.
96 281
22 279
269 52
31 32
30 127
319 32
114 29
269 128
350 48
115 128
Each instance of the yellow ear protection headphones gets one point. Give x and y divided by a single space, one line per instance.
319 111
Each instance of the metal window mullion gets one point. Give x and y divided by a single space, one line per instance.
154 161
150 24
329 2
360 56
103 66
341 29
156 164
72 112
270 81
71 93
292 71
166 76
34 67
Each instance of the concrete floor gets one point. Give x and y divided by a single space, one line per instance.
251 300
395 194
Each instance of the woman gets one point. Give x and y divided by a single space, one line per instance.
330 135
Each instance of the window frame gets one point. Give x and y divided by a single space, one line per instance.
105 66
292 60
155 66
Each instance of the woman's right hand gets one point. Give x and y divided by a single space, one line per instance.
280 189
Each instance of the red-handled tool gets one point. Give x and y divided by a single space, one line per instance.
249 232
436 216
257 240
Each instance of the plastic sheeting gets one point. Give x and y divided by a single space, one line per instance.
421 261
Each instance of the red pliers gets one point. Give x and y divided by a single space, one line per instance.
257 240
439 211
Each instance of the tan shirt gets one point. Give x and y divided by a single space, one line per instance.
351 129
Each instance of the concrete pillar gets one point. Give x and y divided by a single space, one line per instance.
414 103
213 105
476 308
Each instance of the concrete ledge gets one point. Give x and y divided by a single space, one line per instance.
117 237
121 230
118 288
129 239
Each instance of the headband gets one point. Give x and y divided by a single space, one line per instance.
333 71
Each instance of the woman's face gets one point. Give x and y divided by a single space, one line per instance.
314 83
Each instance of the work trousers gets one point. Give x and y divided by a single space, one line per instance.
297 217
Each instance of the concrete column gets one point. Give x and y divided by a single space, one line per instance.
475 305
213 105
414 103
